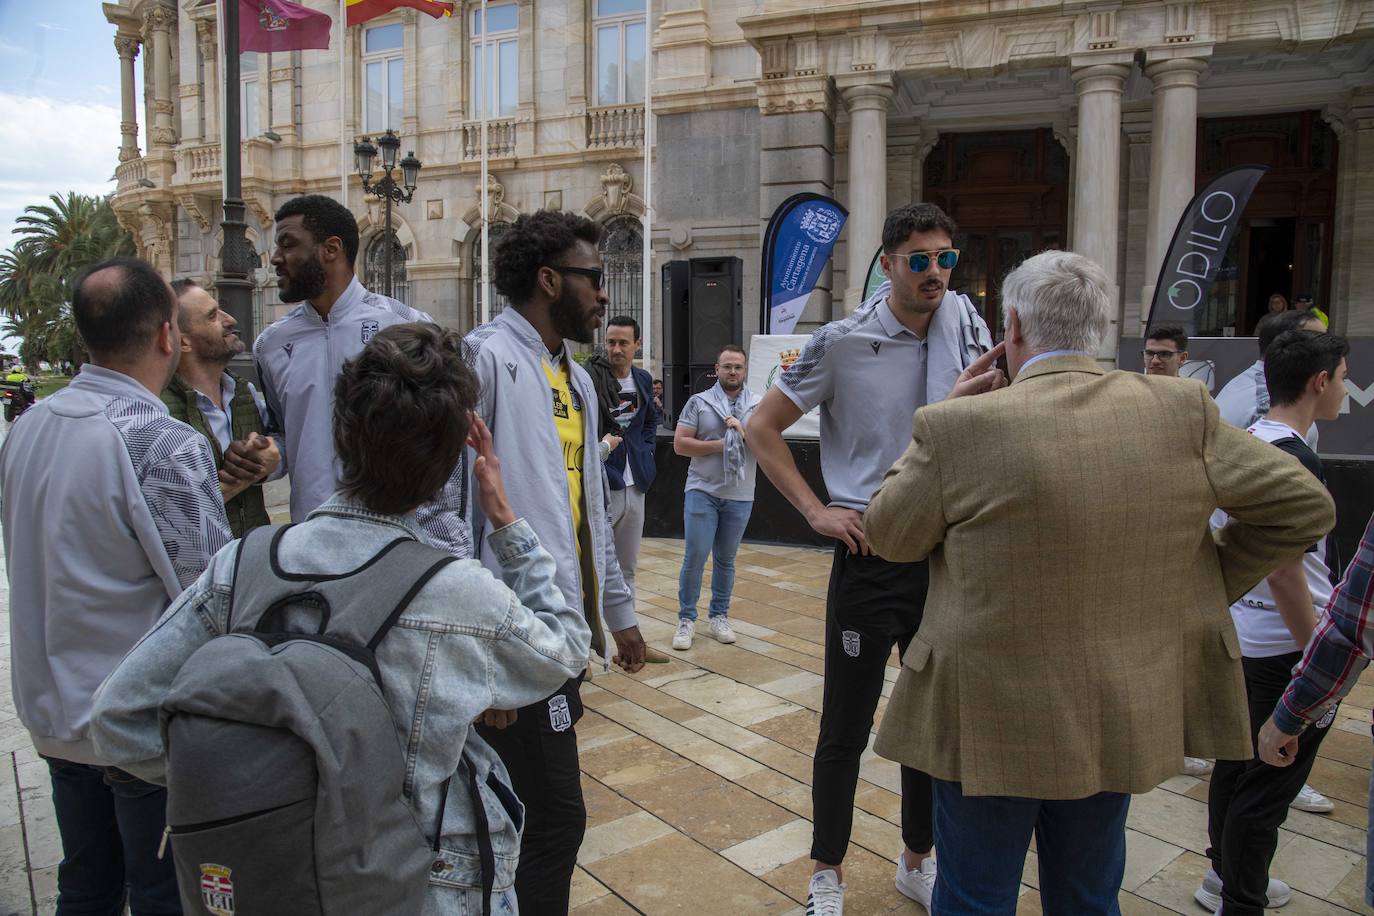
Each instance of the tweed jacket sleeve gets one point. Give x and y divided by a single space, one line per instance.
1277 508
905 519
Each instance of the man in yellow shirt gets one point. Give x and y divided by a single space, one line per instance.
541 409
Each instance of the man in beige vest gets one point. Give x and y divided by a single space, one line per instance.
1050 676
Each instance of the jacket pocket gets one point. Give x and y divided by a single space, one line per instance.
1231 640
916 654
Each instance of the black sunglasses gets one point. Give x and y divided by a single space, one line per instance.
594 274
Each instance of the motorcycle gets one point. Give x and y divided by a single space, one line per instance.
18 398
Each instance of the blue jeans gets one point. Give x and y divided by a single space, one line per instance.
982 842
711 527
111 826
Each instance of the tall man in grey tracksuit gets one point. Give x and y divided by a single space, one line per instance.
541 408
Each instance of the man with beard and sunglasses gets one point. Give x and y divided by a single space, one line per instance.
221 405
914 329
540 406
300 355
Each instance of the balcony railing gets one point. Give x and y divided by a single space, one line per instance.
129 174
198 163
500 139
615 127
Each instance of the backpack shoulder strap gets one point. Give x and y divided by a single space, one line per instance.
366 604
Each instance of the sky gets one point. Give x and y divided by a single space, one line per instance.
59 104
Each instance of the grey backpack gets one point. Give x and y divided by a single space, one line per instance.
285 772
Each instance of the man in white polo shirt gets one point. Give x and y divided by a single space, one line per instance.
1247 800
905 347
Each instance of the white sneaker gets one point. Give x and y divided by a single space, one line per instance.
721 629
825 896
1309 799
1196 766
1209 894
919 884
686 629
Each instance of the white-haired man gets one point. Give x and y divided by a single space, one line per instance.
1049 679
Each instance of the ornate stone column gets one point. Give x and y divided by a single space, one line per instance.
1097 186
159 21
209 52
127 46
1173 159
866 96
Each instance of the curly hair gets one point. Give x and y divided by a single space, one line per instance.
324 217
536 240
401 416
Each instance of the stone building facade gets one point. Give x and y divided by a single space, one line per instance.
1036 123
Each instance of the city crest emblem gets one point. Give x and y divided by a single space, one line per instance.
851 643
370 329
560 717
216 890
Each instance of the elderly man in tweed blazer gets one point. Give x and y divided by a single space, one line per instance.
1051 676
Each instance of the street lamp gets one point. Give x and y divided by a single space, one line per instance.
364 157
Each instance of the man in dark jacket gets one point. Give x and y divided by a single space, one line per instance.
633 418
221 406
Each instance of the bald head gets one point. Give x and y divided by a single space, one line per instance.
120 307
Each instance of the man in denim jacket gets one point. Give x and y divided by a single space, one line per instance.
467 643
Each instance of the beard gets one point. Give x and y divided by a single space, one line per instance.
731 386
308 282
219 352
569 320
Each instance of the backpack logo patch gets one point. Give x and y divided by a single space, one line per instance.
370 329
560 717
851 643
216 890
511 367
288 347
876 345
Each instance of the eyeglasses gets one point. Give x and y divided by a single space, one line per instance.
919 261
1159 354
594 274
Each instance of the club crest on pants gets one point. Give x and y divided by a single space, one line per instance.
370 329
560 717
851 643
216 890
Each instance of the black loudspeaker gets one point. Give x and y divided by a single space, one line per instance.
702 312
716 306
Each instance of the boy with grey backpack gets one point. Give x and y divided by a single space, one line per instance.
308 701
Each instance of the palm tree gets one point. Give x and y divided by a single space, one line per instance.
57 240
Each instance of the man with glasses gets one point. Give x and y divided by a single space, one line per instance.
907 346
540 406
1166 350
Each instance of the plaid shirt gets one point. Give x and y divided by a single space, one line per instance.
1341 647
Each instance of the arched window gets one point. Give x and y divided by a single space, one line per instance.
374 268
622 256
498 302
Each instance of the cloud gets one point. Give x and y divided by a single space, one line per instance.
63 146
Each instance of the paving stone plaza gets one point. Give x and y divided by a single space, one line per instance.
697 777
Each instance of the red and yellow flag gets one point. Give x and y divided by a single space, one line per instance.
360 11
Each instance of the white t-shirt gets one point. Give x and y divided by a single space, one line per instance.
630 393
1261 628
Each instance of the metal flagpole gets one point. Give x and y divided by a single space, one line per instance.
343 122
647 256
484 100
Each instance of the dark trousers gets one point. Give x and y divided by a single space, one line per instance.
1080 844
540 751
111 825
1248 799
872 604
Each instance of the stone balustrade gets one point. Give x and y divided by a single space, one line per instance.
196 164
615 127
129 174
500 139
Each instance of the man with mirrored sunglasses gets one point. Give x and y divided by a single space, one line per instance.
903 348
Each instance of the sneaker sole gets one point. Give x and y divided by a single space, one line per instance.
722 639
682 648
910 896
1313 809
1209 902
